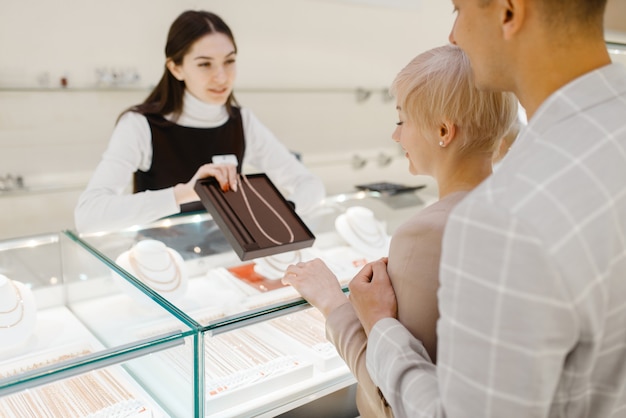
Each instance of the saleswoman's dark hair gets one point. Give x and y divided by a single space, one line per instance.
167 96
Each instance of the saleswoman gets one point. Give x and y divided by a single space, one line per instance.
189 127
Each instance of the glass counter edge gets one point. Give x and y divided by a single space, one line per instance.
73 367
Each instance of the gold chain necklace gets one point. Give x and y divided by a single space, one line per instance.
159 286
266 203
19 303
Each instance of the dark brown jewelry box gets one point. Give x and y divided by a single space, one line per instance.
230 213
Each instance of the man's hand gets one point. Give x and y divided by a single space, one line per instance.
372 295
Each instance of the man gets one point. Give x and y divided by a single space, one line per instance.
532 297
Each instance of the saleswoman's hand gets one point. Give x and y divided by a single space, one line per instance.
317 284
225 174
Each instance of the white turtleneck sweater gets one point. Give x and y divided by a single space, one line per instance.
107 203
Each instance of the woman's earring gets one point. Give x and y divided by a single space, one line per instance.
442 144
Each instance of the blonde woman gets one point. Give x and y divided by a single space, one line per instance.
449 130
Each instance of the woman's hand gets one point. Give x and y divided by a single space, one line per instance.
317 284
225 174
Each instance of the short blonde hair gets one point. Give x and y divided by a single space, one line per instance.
438 84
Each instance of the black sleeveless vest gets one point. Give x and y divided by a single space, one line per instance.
178 151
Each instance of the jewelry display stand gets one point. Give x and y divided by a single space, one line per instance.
273 267
157 266
18 313
360 229
256 219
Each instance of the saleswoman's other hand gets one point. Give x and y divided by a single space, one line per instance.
225 174
317 284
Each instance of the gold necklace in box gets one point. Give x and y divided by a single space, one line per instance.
266 203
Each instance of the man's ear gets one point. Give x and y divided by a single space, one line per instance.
512 15
447 133
173 68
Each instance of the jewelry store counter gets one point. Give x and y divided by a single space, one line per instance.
264 350
165 320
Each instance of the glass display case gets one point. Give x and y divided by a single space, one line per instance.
73 344
165 320
263 348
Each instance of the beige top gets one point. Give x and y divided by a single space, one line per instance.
414 270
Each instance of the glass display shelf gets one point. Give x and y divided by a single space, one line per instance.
187 264
73 343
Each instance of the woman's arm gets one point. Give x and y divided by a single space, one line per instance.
107 202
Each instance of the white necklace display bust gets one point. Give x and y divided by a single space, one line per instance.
18 312
273 267
157 266
362 231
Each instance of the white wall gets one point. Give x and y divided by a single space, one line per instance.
301 43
